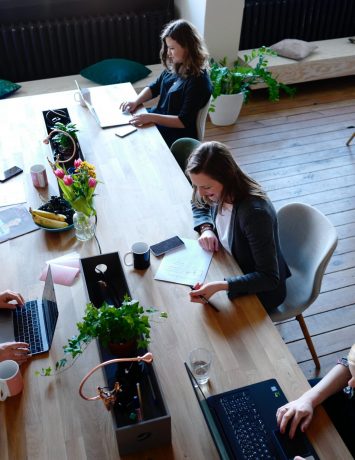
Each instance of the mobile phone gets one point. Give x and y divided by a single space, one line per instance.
9 173
123 131
166 245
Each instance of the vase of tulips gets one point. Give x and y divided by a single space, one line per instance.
78 186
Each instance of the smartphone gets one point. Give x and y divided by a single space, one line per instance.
123 131
9 173
166 245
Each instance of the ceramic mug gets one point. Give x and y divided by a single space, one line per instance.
79 98
11 382
39 176
140 254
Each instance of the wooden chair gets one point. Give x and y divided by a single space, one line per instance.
350 139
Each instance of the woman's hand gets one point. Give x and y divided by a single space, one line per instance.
17 351
9 296
129 106
207 290
209 241
298 412
141 119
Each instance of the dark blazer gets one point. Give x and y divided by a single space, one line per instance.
254 241
183 97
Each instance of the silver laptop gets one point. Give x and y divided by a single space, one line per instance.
103 109
34 322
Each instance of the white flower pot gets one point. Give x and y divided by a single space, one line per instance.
227 108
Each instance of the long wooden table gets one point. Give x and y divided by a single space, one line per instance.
143 196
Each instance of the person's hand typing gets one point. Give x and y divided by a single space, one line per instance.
17 351
10 299
128 106
141 119
298 412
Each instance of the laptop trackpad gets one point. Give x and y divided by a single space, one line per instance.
289 448
6 326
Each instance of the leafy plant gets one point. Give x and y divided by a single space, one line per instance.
61 139
239 78
108 324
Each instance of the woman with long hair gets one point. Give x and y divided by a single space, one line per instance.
230 209
184 86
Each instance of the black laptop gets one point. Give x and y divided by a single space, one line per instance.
34 322
243 423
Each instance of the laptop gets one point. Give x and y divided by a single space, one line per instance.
33 323
243 423
106 112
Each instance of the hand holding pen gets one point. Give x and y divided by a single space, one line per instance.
196 296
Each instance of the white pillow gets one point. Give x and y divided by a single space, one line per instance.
293 48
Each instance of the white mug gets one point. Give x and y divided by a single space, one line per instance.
39 176
11 382
79 98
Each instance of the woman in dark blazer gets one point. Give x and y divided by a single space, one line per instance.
230 209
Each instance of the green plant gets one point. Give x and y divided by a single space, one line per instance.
61 139
240 77
108 324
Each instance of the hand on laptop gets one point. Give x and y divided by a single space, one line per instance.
128 106
10 299
17 351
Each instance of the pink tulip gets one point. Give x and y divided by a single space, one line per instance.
92 182
59 173
77 163
68 180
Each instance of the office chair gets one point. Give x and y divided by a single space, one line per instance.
350 139
201 120
308 240
182 148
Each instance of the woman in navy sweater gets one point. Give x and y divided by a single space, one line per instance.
230 209
184 87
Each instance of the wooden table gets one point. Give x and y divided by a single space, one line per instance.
144 197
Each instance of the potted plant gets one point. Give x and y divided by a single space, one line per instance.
232 85
65 141
126 328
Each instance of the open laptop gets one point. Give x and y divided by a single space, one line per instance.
243 423
105 111
34 322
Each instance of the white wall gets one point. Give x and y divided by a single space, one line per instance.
219 21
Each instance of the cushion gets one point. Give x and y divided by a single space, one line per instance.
111 71
7 88
293 48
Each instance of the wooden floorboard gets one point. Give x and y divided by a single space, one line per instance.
296 149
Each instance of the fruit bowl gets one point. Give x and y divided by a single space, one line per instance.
59 206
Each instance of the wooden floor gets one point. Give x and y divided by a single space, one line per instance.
296 149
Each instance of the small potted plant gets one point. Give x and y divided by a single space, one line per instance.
232 85
122 330
65 141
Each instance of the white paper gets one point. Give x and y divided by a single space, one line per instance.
186 265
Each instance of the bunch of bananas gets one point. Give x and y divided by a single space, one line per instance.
48 219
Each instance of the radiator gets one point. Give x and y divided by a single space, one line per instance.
268 21
63 47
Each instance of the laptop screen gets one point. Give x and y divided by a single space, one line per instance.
50 309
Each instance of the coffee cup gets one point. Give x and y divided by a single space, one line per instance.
140 253
79 98
11 382
39 176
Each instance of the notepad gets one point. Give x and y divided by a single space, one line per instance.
185 265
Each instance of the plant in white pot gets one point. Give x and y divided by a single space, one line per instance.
232 85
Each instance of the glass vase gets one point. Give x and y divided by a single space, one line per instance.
84 226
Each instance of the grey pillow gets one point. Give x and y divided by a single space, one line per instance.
293 48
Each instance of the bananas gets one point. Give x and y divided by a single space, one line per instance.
48 219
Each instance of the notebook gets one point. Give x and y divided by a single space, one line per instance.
33 323
243 423
103 109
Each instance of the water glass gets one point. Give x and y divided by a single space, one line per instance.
200 362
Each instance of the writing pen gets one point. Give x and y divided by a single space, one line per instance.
206 300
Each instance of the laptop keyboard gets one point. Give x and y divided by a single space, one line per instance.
26 325
247 425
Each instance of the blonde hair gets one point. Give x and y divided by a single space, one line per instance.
351 355
184 33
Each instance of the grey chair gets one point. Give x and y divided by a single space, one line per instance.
182 148
308 240
201 120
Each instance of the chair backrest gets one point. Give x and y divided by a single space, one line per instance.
201 120
308 240
182 148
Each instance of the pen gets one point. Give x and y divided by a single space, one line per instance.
206 301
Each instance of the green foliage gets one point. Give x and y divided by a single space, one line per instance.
108 324
63 140
238 78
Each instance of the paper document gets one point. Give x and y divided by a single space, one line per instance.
186 265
